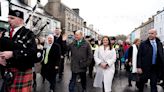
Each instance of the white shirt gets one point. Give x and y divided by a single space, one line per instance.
16 29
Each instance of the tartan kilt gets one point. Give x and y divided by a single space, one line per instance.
22 81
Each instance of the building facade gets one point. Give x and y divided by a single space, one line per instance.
145 27
40 22
136 33
159 24
70 19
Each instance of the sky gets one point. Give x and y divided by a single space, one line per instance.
115 17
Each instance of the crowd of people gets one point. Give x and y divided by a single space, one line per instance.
21 52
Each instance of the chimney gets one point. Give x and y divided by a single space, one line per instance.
53 8
76 10
85 23
158 12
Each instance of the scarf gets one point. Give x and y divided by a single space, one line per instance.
79 43
134 59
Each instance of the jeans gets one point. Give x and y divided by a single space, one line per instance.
73 81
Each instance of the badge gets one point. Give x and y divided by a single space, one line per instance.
18 36
39 55
17 14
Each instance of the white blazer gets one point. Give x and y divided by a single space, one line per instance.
104 75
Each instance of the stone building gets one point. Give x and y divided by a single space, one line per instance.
70 18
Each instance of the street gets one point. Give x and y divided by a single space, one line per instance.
120 83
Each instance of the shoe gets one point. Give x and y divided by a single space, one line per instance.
130 85
51 90
34 84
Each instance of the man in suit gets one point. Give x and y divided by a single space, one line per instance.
150 61
58 38
20 58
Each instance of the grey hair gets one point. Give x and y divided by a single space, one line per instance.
79 32
49 36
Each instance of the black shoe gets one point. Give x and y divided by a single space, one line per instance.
130 85
34 85
52 90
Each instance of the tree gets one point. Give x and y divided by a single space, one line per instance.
121 37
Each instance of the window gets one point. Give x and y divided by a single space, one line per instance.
0 8
160 31
161 16
72 28
69 28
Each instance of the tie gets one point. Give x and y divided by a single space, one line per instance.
46 57
154 53
11 33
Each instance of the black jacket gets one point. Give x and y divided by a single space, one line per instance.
24 49
61 43
54 55
49 70
144 57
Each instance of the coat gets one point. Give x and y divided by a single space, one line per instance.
144 57
130 58
104 75
81 57
49 70
24 49
61 43
20 65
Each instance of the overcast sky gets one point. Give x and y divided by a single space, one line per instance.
113 17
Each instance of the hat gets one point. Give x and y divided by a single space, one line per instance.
113 38
16 13
92 39
87 36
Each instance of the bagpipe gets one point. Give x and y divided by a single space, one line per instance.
36 29
37 26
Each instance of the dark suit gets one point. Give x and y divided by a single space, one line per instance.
144 61
63 51
48 70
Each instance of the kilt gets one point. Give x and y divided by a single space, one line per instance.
22 81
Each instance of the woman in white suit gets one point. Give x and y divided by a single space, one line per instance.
105 57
